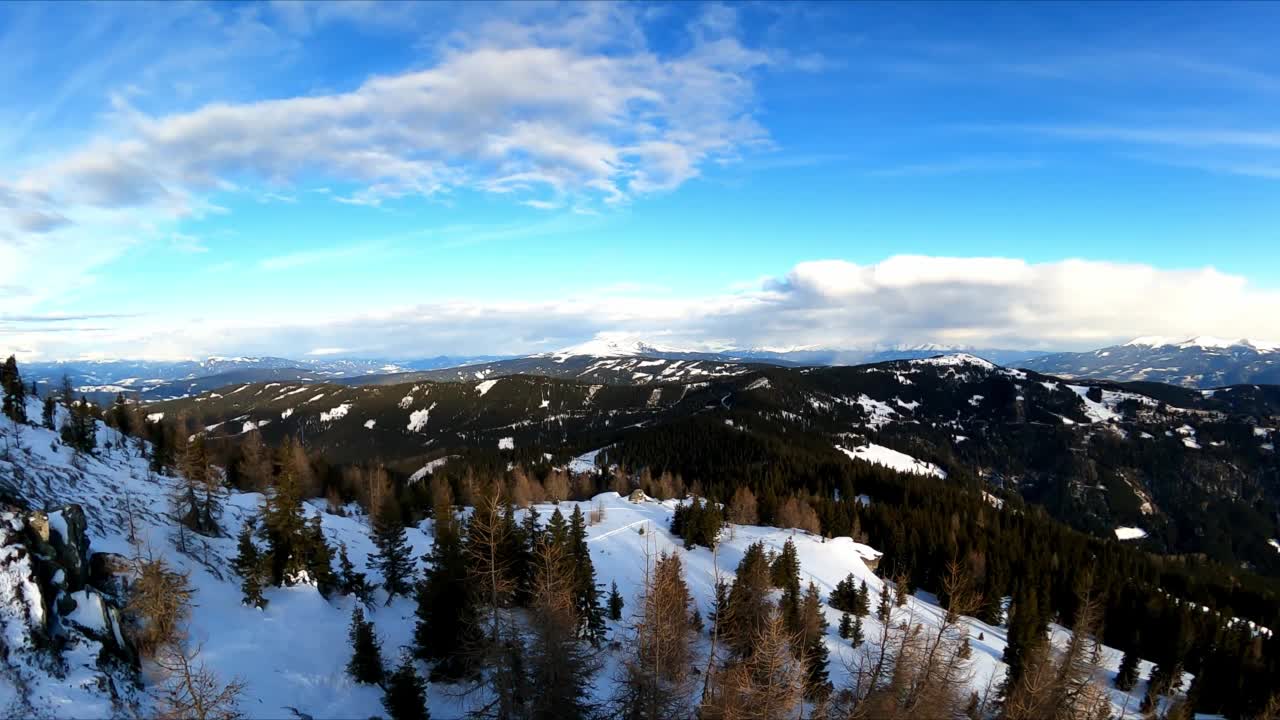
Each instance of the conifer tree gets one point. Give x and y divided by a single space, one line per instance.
352 581
282 529
406 694
615 602
248 563
1026 633
748 607
1127 675
366 651
846 626
253 470
588 610
785 574
48 411
811 643
862 601
15 392
121 417
560 666
526 539
446 613
392 557
319 557
844 596
768 683
656 681
855 636
557 530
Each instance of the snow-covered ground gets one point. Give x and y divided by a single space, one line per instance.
890 458
294 652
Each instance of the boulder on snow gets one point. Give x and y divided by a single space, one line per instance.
60 538
24 608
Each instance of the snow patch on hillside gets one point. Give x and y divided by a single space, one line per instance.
429 468
485 386
890 458
1095 411
418 418
506 443
336 413
1130 533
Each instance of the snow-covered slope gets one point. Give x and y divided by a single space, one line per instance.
293 653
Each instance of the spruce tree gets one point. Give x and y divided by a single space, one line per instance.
811 631
846 626
1127 675
366 651
748 608
446 612
586 593
615 602
352 581
392 557
557 530
248 563
1026 633
15 392
406 693
856 636
862 601
845 595
319 557
49 411
785 574
282 529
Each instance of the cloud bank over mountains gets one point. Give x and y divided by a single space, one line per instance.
986 302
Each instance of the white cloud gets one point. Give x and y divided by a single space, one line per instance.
1004 302
502 113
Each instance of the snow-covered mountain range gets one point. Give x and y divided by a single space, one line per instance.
1199 362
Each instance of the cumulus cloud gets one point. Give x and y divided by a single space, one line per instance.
986 302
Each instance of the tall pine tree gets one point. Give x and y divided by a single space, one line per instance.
366 652
589 612
446 615
392 558
248 563
406 694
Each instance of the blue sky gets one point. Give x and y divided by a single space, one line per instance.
416 179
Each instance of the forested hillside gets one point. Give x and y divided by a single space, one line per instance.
503 582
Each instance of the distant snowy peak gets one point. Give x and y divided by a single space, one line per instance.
926 347
955 359
1204 342
608 345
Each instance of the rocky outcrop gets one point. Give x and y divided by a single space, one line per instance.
59 538
53 620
